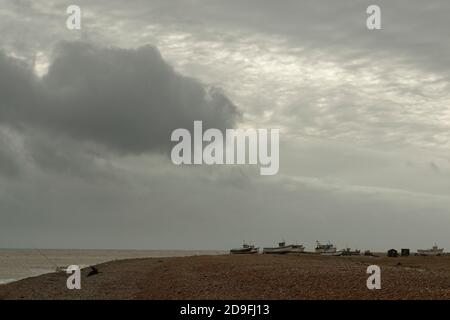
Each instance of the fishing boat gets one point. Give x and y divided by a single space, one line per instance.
435 251
350 252
283 248
333 254
245 249
327 249
297 248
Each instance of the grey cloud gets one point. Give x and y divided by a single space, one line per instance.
16 87
156 211
8 163
414 31
434 167
127 100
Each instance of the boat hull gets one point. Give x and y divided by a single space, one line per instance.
332 254
284 250
244 251
430 252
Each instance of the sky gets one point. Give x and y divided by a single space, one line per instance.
86 117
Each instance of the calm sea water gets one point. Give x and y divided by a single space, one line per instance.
19 264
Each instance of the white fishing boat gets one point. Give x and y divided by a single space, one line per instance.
283 248
435 251
297 248
334 254
327 249
245 249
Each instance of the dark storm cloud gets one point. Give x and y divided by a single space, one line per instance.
16 88
8 164
127 100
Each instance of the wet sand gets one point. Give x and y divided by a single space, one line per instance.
246 277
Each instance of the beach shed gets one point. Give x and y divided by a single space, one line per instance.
405 253
392 253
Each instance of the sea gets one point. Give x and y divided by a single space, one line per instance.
16 264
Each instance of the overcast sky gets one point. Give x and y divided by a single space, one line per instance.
86 116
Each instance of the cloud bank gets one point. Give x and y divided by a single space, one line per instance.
128 101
